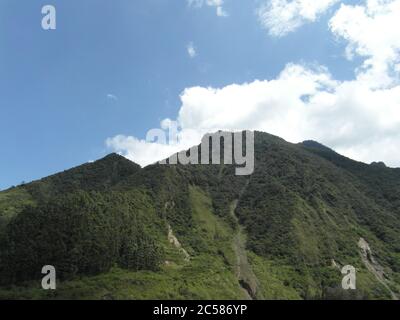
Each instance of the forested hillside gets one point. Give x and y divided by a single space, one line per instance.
116 231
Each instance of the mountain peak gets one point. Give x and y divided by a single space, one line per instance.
379 164
114 156
315 145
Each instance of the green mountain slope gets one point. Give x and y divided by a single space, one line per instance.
116 231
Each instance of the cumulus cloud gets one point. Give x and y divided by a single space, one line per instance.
140 151
159 143
371 31
217 4
304 103
191 50
281 17
359 118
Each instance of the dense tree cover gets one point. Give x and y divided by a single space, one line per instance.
303 207
100 175
378 181
80 233
379 209
305 211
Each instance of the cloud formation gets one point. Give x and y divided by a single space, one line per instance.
217 4
281 17
371 31
112 97
191 50
359 118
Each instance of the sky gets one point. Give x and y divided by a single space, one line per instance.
112 71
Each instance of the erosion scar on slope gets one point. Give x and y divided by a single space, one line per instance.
246 277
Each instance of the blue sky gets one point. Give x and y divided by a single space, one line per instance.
119 67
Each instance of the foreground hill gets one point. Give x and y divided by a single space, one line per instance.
116 231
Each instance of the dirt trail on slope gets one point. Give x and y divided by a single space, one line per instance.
246 277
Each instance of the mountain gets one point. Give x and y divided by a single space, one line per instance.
114 230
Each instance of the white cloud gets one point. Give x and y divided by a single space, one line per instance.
359 118
372 31
112 97
191 50
140 151
217 4
221 12
281 17
301 104
148 151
